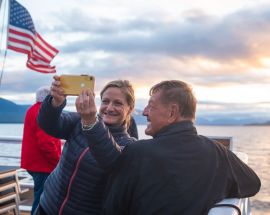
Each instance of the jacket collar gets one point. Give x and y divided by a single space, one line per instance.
183 127
115 130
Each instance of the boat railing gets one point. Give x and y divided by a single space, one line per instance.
14 141
10 139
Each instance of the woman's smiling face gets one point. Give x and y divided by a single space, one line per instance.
114 108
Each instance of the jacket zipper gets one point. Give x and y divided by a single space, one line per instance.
72 179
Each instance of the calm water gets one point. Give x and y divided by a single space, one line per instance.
253 140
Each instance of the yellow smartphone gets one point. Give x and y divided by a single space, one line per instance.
73 84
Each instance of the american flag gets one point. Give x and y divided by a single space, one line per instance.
22 37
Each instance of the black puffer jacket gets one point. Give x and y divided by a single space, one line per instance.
76 186
176 172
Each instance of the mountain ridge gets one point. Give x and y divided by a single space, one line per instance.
11 112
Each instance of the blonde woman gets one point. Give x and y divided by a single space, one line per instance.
77 184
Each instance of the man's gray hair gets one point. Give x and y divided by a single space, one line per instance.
179 92
41 93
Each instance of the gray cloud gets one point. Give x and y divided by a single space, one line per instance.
222 39
19 82
148 49
85 23
151 47
238 110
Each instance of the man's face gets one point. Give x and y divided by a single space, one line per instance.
156 113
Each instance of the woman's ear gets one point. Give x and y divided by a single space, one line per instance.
129 112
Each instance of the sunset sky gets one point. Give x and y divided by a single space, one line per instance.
220 47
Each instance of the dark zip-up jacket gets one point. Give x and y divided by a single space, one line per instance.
77 184
176 172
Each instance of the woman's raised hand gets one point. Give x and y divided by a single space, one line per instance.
86 107
57 92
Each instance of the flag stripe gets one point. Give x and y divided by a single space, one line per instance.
36 55
45 44
17 49
21 43
42 70
36 45
40 65
38 62
21 32
43 51
22 37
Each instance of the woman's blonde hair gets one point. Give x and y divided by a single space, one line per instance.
127 89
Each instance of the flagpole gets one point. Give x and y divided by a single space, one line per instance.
5 55
3 23
8 21
0 4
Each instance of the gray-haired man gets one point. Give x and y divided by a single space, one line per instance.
176 172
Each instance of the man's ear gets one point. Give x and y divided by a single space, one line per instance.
174 113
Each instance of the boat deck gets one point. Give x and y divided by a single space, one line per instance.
21 213
16 191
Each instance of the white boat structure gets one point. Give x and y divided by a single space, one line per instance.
16 186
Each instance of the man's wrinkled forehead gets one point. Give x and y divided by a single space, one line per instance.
155 97
155 90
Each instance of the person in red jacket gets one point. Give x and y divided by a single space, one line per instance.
40 152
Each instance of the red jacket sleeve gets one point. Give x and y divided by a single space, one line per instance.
50 146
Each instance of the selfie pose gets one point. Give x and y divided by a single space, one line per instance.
178 171
77 184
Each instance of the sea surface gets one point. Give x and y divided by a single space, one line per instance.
252 140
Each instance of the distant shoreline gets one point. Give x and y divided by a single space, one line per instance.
254 124
15 114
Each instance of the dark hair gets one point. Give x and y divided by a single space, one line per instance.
126 87
179 92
